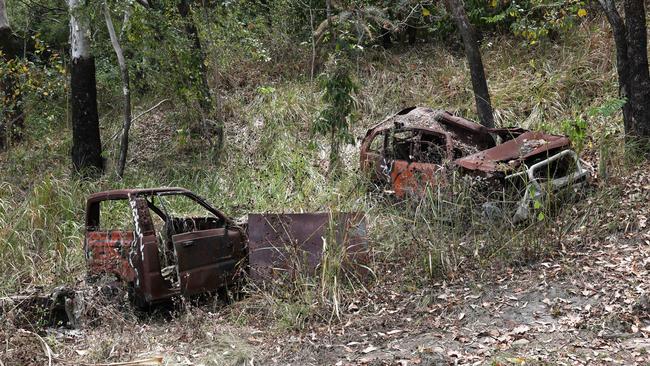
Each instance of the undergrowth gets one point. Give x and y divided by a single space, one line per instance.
272 163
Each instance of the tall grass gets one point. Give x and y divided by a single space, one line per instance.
272 162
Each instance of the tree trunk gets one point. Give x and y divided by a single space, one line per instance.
313 42
86 141
126 91
12 122
639 75
192 32
473 53
632 66
622 62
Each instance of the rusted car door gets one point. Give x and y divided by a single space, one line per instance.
106 247
206 259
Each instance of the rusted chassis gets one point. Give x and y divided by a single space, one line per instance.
413 149
207 251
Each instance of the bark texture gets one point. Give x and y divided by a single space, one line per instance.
12 118
639 75
622 64
86 141
192 32
632 67
473 54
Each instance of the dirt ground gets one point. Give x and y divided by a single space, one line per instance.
590 304
591 307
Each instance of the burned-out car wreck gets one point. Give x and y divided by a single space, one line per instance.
158 244
172 242
418 147
163 242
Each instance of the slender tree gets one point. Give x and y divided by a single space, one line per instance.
86 140
11 123
473 54
126 91
198 63
631 42
199 56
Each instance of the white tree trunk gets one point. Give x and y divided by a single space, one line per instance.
86 149
4 21
79 31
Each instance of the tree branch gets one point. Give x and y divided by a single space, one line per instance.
126 91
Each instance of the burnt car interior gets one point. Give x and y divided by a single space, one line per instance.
415 145
515 164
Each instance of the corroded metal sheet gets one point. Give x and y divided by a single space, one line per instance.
526 145
287 245
413 178
206 259
107 252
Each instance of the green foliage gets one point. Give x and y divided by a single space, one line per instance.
336 119
576 129
37 81
532 20
47 18
608 108
355 23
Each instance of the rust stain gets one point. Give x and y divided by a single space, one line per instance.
107 252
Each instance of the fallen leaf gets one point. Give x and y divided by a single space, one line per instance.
369 349
521 329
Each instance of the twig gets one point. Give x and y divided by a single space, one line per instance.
140 115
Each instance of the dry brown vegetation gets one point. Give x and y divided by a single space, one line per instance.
571 289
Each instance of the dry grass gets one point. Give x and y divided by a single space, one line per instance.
273 163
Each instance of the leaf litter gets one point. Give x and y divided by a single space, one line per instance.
590 304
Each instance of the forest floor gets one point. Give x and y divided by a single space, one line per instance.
584 300
588 305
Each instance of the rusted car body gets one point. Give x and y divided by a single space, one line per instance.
162 254
415 147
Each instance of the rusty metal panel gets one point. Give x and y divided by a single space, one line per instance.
413 178
526 145
108 251
292 244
